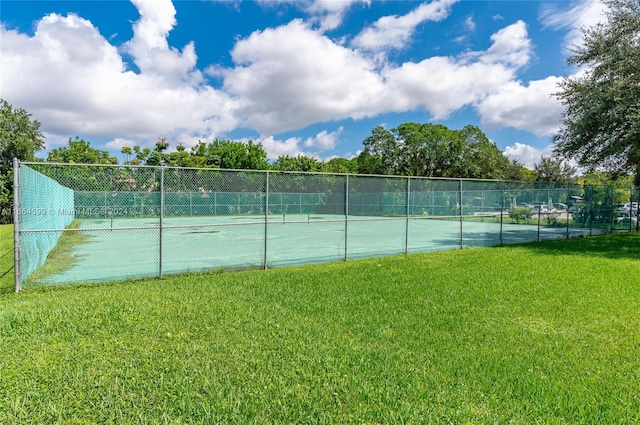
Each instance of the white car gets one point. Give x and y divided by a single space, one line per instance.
629 206
542 209
560 206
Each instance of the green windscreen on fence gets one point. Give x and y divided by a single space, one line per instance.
45 208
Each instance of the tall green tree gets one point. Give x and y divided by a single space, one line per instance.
480 157
79 151
380 152
554 170
82 178
217 154
20 137
296 163
516 171
600 126
603 178
341 165
431 150
234 155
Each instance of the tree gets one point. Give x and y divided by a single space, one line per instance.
379 154
217 154
480 158
20 137
296 163
431 150
603 178
233 155
600 126
621 185
554 170
516 171
127 152
81 178
79 151
341 165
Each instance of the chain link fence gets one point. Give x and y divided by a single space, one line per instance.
93 223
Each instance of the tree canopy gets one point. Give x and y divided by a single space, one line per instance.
296 163
79 151
600 126
431 150
217 154
20 137
554 170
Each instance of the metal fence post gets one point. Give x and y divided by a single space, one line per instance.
539 215
266 220
612 222
567 202
346 218
590 215
637 189
631 209
16 225
161 219
406 228
461 213
501 210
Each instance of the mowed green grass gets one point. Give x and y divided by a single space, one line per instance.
543 333
6 259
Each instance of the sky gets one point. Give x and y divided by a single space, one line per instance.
301 77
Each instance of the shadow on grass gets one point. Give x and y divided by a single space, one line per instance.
614 246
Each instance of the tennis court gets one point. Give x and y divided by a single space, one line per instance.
119 249
81 223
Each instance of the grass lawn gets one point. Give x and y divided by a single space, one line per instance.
6 259
544 333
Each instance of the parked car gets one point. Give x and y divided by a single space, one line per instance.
542 209
629 207
559 206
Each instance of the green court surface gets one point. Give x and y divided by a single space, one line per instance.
123 248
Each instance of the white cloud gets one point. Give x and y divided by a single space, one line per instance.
53 141
118 143
291 76
396 31
324 140
470 24
527 155
531 107
330 13
584 13
511 45
276 148
443 84
294 146
461 39
75 82
150 49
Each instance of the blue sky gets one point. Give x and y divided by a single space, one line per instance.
300 77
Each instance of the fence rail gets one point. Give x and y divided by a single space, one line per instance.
97 222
